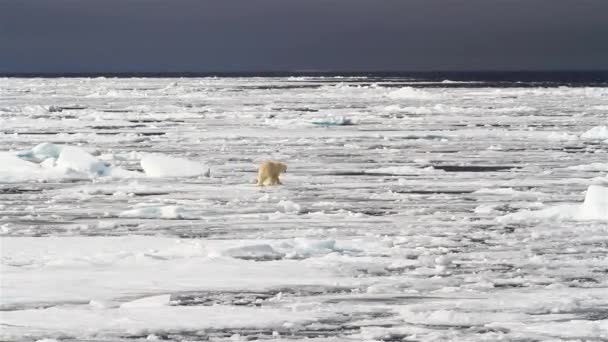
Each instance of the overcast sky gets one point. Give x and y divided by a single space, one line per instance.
287 35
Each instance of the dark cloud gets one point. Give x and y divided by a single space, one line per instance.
255 35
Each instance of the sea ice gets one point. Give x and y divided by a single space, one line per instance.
148 302
365 241
595 207
160 212
289 206
42 151
596 133
75 159
254 252
156 165
15 169
403 170
334 121
411 93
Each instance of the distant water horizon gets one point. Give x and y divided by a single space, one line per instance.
597 78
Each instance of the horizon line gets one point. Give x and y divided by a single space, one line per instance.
270 73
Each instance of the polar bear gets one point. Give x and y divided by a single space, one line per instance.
269 171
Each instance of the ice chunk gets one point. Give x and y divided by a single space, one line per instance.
596 133
595 206
76 159
334 121
254 252
307 247
71 162
46 150
41 152
156 165
14 168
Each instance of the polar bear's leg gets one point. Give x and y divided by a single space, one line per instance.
261 180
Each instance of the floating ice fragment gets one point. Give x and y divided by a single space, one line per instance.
76 159
595 207
41 152
485 209
15 168
334 121
49 161
307 247
596 133
259 252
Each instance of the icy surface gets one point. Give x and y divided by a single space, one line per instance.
461 212
596 133
164 166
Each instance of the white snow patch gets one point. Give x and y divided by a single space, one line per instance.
157 165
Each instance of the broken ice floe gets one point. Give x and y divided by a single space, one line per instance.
595 207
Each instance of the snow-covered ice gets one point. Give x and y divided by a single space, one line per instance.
596 133
412 210
165 166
